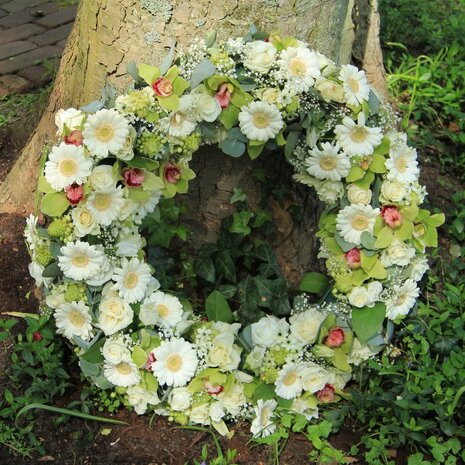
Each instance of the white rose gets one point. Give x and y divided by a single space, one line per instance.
115 314
330 91
207 108
265 332
358 195
114 350
392 191
398 253
255 358
358 296
179 399
216 412
233 399
330 191
200 414
259 56
102 177
222 327
360 353
314 378
129 245
223 353
127 152
269 95
419 268
71 117
374 290
139 397
305 325
84 222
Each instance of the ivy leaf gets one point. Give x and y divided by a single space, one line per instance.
367 322
240 222
314 282
217 308
204 267
225 265
248 297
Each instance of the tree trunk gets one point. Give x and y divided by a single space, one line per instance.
109 33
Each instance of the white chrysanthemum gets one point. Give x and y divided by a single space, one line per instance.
175 362
260 121
289 382
355 84
30 231
105 132
402 164
131 279
105 205
180 123
403 299
354 220
302 64
104 275
73 319
114 349
327 163
67 165
80 260
262 425
356 138
161 309
124 373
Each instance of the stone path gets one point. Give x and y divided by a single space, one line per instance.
33 34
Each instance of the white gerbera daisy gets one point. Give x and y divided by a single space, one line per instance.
105 205
260 121
124 373
73 319
289 382
355 84
105 132
161 308
182 122
356 138
142 209
402 164
67 165
403 299
262 425
175 362
327 163
30 231
80 260
354 220
302 64
131 280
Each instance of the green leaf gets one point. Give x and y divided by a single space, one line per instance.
44 186
229 115
385 238
378 165
139 356
143 163
225 265
138 194
148 73
314 282
383 148
367 322
240 222
52 271
264 392
355 174
152 182
404 231
54 204
204 267
238 196
255 150
217 308
94 354
169 103
291 142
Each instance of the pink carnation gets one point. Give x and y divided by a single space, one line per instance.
75 138
74 193
335 338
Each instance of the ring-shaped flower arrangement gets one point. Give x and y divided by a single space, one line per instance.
117 157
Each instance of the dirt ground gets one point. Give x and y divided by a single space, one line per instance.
80 443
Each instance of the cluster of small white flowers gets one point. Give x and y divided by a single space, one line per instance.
235 47
188 61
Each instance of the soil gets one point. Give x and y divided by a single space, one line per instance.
139 443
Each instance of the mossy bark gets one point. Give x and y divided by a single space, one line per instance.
109 33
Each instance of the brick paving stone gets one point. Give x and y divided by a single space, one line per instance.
18 62
15 48
12 84
19 32
62 16
62 43
52 36
3 13
18 5
25 16
38 74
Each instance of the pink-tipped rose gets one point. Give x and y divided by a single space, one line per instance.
150 360
327 394
133 177
353 258
335 338
75 138
223 96
391 216
163 87
172 173
74 193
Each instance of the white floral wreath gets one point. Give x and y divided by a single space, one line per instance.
116 159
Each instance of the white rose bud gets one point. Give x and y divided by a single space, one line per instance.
330 91
114 350
179 399
115 314
392 191
358 296
259 56
359 195
207 108
102 178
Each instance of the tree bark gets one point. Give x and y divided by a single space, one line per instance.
109 33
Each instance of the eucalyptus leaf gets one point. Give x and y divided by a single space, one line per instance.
233 148
92 107
202 71
168 60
